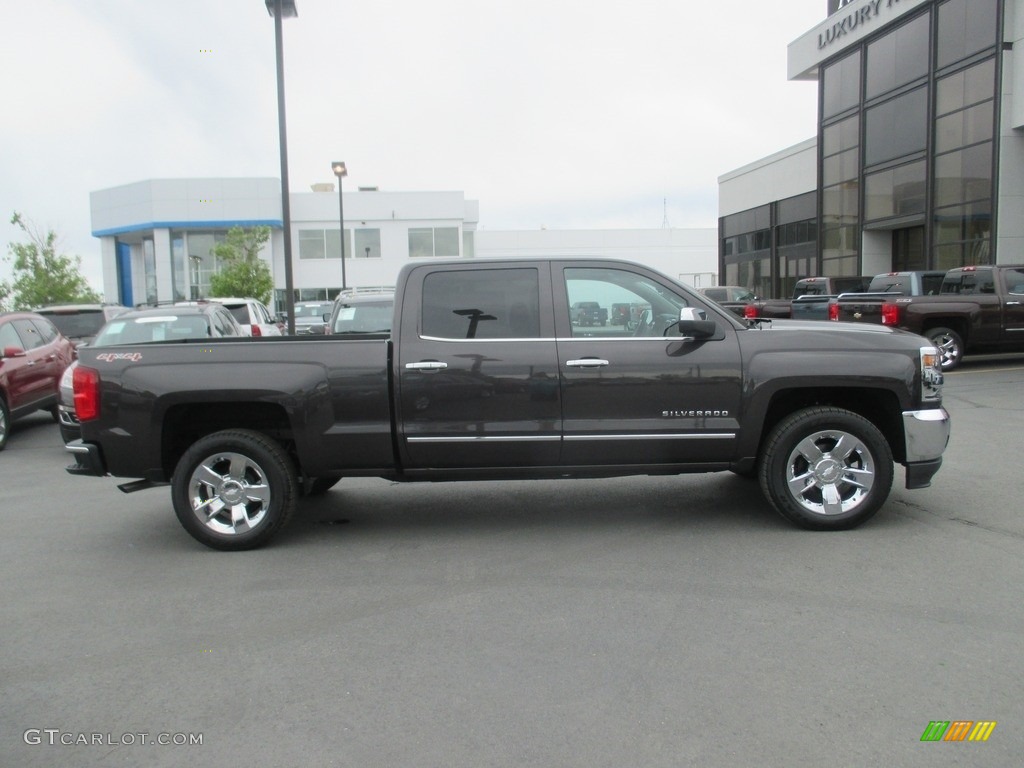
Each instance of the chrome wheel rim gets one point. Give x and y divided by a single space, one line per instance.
949 352
830 472
229 493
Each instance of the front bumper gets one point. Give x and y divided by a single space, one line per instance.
926 435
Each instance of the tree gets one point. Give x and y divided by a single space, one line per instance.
245 274
41 275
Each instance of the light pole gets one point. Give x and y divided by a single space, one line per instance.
281 9
341 172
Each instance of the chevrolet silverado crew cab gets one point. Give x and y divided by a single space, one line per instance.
975 310
485 375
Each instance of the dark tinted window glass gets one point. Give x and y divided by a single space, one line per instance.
841 136
1014 279
963 176
966 27
968 86
797 208
968 126
841 87
29 334
898 58
482 304
895 192
46 330
897 127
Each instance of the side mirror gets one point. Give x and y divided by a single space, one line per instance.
13 352
693 322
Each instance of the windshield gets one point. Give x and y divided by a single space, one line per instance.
312 312
76 325
363 318
141 330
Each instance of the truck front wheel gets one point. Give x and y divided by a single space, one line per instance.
826 469
234 490
950 345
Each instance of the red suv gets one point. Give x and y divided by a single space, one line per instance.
33 355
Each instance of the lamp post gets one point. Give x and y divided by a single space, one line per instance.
341 172
281 9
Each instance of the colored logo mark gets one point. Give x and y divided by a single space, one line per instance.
958 730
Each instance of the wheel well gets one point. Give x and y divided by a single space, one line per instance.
184 424
880 407
953 323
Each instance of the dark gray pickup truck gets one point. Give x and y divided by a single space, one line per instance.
485 376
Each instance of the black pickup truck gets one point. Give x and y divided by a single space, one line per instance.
811 298
885 289
974 309
485 376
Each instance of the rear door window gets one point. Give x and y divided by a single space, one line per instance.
472 304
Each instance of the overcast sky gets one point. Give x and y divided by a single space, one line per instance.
565 114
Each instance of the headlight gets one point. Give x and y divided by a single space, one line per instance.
931 375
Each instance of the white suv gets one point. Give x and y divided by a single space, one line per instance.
252 315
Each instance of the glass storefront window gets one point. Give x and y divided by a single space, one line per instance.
149 267
968 86
840 203
311 244
895 192
841 136
446 241
964 175
421 242
968 126
965 28
438 241
367 244
898 58
841 267
837 168
896 128
841 85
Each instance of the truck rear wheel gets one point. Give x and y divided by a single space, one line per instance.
950 345
234 490
826 469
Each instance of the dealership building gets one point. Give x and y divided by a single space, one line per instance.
918 161
157 237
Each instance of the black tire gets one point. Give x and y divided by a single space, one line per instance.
55 413
5 423
318 486
950 346
814 489
234 490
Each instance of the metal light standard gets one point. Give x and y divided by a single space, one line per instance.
281 9
341 172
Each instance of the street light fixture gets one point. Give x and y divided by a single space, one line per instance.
341 172
281 9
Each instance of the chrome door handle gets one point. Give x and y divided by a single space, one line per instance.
427 365
587 362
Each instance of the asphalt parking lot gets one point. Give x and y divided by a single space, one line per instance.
628 622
